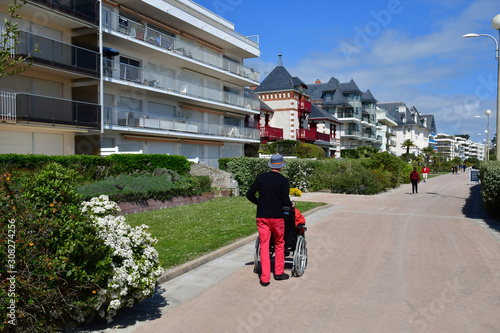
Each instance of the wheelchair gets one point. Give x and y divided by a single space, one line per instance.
295 245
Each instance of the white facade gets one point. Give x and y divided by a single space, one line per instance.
170 80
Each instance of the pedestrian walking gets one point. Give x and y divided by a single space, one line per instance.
273 189
415 179
425 172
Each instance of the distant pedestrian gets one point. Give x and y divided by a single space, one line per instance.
415 179
452 169
425 172
273 189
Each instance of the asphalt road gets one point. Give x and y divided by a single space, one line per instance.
393 262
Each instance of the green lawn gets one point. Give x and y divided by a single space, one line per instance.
187 232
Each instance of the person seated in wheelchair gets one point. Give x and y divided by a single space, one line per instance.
300 222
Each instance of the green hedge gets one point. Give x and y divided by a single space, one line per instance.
490 186
92 167
353 176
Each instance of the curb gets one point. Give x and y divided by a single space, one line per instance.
172 273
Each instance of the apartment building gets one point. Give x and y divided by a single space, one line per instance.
349 105
170 76
411 125
45 108
386 129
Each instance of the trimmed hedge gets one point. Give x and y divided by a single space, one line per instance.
490 186
91 167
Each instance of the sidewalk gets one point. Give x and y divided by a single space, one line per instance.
386 263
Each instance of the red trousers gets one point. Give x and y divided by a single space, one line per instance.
277 228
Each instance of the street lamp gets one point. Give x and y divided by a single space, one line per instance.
487 131
495 23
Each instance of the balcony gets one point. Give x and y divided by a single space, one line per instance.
348 116
322 137
57 54
304 106
306 135
182 48
268 133
85 10
146 122
185 89
28 108
351 133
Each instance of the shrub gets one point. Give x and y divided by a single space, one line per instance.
283 147
298 173
140 187
490 186
295 192
59 259
356 179
307 150
245 170
135 267
69 263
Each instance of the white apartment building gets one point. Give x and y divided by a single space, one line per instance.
169 75
411 125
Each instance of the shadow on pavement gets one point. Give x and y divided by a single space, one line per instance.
148 309
474 208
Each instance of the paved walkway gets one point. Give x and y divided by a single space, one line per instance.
393 262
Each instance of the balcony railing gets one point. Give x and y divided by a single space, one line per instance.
57 54
163 82
142 32
323 137
85 10
342 115
217 25
306 135
55 111
349 132
7 106
268 133
304 106
137 119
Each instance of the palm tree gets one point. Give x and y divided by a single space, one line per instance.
408 144
427 152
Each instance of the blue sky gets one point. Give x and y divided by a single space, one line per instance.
402 50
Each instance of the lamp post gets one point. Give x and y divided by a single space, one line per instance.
487 113
495 23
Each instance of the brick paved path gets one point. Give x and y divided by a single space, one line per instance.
393 262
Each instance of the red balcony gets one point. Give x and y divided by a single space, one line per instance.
304 106
268 133
322 137
306 135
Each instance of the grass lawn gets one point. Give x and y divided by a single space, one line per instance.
187 232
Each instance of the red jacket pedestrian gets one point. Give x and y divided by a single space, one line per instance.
415 179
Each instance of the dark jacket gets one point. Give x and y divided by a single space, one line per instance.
414 175
274 193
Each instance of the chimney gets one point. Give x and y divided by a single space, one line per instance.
317 81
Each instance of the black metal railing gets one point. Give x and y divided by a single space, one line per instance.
58 54
55 111
83 9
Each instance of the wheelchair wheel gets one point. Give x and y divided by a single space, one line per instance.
300 256
256 257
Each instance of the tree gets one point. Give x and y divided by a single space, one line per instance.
408 144
9 65
427 151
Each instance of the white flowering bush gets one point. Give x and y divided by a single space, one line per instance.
135 266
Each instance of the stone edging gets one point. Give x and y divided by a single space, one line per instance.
195 263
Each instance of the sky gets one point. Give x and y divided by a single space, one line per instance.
409 51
